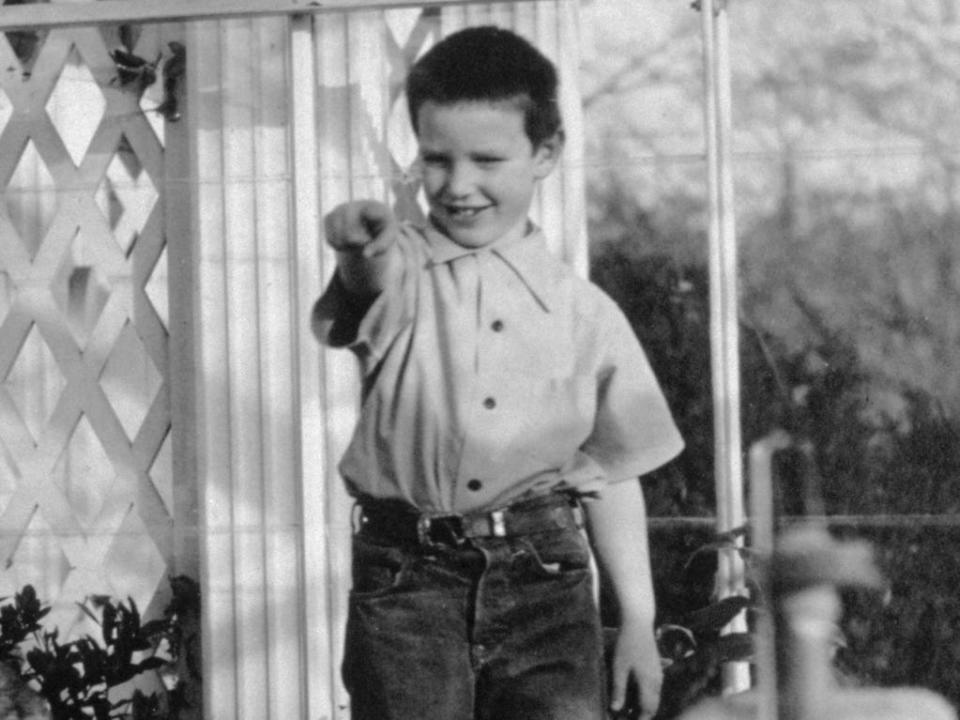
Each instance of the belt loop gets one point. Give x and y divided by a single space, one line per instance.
579 517
356 517
498 523
423 529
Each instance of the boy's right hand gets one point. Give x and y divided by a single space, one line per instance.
364 227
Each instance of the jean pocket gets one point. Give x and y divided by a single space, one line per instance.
559 552
377 569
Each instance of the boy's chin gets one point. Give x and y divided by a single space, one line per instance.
467 237
472 240
475 237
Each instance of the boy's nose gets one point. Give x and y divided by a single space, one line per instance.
460 180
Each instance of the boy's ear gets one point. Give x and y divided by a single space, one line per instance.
548 153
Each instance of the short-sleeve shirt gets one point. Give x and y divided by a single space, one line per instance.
493 373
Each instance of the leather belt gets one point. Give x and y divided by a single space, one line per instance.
399 522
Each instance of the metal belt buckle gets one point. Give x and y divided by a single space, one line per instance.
425 525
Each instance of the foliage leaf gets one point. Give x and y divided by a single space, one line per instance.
735 647
717 615
78 678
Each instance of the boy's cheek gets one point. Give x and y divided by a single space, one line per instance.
432 181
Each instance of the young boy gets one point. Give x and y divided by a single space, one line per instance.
499 389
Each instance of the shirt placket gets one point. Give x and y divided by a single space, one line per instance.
475 481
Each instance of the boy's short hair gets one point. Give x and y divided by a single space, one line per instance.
489 64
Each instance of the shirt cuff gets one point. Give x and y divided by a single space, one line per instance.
365 325
653 458
338 313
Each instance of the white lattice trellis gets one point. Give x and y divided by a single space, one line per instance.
86 485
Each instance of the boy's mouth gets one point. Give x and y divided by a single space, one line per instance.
463 212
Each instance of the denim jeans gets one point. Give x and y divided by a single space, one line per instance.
497 629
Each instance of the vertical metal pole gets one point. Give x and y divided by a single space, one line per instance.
724 329
762 540
319 681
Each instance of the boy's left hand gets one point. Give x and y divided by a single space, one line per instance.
635 655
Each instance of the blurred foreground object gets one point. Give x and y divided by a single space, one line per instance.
805 571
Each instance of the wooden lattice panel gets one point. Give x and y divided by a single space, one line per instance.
85 461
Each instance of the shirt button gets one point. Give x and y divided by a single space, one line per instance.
489 403
474 485
496 325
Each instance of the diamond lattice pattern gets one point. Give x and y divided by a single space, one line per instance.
83 373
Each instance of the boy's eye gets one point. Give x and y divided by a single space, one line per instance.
434 160
487 159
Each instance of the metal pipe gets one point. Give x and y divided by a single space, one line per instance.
762 542
724 329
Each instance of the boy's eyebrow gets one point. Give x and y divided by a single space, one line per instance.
479 152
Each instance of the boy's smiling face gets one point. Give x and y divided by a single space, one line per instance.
480 168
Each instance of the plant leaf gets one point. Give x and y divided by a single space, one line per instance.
88 612
154 628
151 663
718 614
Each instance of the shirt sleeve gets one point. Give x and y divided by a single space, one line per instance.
634 431
367 326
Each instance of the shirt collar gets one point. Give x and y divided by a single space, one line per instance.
525 256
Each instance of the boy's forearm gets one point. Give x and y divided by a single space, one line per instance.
618 531
618 528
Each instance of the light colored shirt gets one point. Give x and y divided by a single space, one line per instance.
491 373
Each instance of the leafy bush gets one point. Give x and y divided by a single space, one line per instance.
80 679
689 618
696 652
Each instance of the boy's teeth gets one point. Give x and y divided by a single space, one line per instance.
464 212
